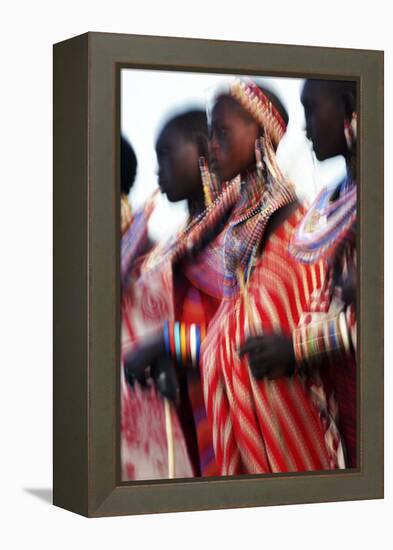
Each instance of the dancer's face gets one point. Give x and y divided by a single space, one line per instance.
178 166
324 112
232 139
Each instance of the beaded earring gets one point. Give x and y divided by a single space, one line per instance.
209 183
350 132
259 152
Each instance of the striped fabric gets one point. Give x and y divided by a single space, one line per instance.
263 426
326 336
150 300
196 310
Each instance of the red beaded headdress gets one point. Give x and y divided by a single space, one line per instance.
259 106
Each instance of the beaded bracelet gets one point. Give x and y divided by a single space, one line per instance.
192 330
183 342
321 337
167 341
176 333
296 337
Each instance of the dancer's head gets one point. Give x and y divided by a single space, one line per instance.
128 166
329 107
180 144
239 118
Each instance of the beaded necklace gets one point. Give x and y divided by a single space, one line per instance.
327 223
245 233
187 239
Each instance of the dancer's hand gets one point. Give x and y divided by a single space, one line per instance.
149 361
137 362
270 355
349 287
165 378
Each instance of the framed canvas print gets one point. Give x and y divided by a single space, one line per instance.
218 274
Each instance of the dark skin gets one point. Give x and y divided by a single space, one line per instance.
325 109
326 106
179 178
232 151
232 139
271 355
349 288
325 112
178 169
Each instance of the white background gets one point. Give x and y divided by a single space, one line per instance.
28 30
150 98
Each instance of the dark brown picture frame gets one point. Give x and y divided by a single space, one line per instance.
86 274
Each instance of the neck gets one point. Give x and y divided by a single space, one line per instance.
248 172
252 182
196 204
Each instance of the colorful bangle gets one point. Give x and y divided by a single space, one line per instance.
176 332
167 342
172 341
322 337
188 344
297 347
350 317
339 337
332 335
326 340
303 343
203 332
310 348
198 344
193 345
183 343
317 339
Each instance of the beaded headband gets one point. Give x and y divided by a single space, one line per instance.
259 106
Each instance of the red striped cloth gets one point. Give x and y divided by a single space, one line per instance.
335 358
263 426
199 309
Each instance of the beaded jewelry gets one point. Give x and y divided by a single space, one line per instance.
257 104
183 342
350 132
326 336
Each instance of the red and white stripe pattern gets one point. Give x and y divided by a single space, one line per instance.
263 426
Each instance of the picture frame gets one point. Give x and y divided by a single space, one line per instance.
86 263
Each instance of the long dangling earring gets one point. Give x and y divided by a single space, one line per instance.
207 183
259 158
350 132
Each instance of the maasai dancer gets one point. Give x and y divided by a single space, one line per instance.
133 225
258 424
158 297
326 336
128 167
325 340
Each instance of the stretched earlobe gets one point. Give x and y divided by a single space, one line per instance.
259 152
209 183
350 132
